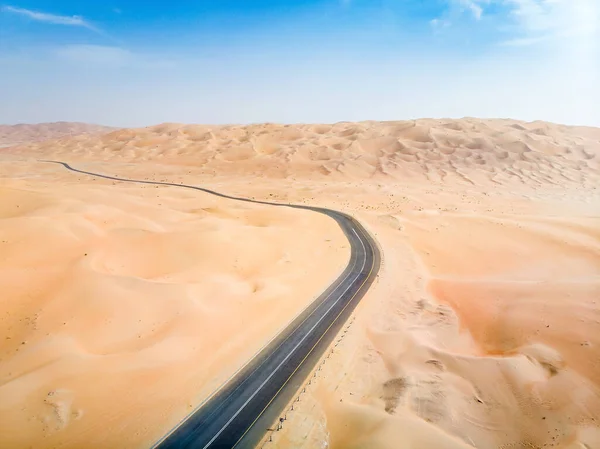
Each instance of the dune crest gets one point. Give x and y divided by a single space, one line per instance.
25 133
467 151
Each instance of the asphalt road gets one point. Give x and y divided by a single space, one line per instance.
240 412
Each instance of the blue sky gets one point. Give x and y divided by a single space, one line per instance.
134 63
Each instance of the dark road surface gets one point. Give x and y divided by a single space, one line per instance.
239 414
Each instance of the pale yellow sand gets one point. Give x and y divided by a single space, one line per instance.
23 133
476 152
123 307
482 329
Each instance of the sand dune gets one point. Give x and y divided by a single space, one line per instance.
25 133
469 151
525 291
106 289
482 330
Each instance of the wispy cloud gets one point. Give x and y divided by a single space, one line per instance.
55 19
457 9
529 22
439 24
473 6
540 20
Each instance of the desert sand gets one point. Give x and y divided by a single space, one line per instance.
127 305
107 288
24 133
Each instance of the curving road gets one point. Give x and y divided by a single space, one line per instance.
239 413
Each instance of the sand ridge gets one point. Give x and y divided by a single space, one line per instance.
11 135
468 151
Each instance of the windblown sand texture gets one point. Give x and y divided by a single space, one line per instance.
482 330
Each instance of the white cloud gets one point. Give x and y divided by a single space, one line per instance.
456 9
439 24
530 22
474 6
540 20
54 19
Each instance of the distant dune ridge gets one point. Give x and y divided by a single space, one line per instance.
125 306
468 150
26 133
